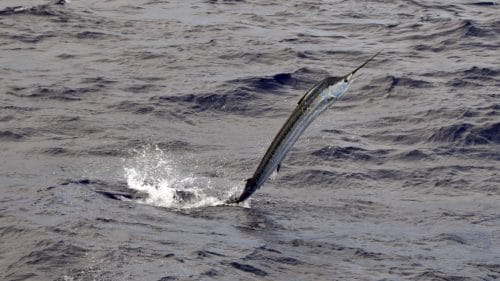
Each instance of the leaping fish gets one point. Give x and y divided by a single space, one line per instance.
314 101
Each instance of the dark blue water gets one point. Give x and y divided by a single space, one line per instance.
125 125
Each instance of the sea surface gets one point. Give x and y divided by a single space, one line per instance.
125 125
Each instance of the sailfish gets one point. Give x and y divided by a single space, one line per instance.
313 103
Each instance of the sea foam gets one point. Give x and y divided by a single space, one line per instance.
171 181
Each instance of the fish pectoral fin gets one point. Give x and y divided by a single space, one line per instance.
275 173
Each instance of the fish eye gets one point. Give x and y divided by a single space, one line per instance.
345 80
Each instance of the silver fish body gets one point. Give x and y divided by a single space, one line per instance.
312 104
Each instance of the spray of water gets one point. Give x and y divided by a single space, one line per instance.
171 181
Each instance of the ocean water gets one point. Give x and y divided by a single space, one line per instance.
125 125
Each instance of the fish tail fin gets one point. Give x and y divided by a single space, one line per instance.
250 188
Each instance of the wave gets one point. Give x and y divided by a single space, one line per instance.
468 134
54 93
332 153
9 135
245 96
45 10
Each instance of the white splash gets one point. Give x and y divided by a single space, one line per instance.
169 182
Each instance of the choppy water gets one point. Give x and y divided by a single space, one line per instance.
125 124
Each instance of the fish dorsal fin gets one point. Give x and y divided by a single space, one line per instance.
317 88
308 93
